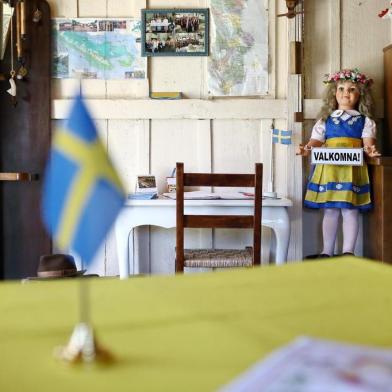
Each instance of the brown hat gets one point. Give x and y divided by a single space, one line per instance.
57 266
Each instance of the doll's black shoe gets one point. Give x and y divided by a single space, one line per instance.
348 254
317 256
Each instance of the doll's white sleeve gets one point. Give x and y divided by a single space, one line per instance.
318 131
369 129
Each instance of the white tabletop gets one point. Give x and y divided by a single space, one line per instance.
162 212
281 202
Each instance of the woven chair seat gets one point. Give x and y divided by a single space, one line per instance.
218 258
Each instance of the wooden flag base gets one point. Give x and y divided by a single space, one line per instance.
83 347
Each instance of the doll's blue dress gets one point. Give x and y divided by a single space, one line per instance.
337 186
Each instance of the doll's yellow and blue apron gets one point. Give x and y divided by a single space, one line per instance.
337 186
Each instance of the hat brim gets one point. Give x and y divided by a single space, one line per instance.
76 274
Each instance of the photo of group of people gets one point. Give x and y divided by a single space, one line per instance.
179 32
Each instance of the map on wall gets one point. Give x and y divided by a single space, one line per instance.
97 49
238 62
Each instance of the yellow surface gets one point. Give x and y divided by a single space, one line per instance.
166 95
192 332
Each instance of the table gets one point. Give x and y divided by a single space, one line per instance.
191 332
162 212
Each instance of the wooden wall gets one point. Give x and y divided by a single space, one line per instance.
146 136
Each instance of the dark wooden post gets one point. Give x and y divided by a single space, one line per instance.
24 146
180 217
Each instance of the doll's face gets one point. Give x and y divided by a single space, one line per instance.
347 95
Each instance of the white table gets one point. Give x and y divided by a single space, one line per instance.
162 212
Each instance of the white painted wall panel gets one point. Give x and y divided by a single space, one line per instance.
278 51
177 3
236 146
318 45
177 141
117 8
128 146
130 89
96 8
64 88
93 88
185 74
63 8
100 89
364 35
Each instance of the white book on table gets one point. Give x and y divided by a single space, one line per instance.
201 195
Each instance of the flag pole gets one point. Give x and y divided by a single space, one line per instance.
83 346
270 189
84 301
93 165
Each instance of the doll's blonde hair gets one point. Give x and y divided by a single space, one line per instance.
364 105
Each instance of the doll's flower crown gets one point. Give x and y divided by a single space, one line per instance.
352 75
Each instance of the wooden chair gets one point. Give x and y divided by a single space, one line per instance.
218 258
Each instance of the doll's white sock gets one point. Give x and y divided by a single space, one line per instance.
330 228
350 229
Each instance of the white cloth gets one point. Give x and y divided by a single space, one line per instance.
369 129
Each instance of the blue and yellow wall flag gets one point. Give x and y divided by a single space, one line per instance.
281 136
82 192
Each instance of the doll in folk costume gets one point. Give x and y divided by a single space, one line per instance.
345 121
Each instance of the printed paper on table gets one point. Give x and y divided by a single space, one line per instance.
313 365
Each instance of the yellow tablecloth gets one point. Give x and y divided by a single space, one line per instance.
192 332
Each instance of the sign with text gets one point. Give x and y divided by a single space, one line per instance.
337 156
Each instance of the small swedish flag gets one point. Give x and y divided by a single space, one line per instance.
281 136
82 192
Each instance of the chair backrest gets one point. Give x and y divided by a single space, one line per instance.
217 221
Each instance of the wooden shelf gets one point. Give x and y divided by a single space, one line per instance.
193 109
18 177
223 108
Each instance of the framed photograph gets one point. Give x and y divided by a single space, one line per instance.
175 32
146 184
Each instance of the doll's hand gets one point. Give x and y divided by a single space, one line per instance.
303 150
371 151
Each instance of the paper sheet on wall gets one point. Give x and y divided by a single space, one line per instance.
238 61
312 365
98 48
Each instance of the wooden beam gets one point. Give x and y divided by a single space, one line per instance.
295 58
122 109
